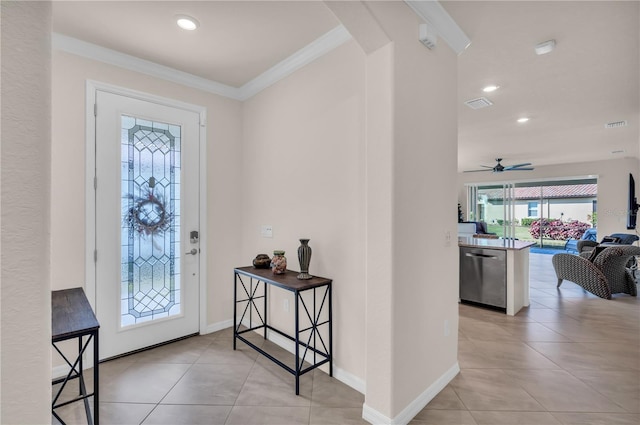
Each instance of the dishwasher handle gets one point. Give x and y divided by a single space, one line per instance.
472 254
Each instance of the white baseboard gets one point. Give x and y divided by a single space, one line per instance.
341 375
368 413
215 327
371 415
60 371
350 380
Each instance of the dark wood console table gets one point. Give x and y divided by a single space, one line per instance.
251 285
72 317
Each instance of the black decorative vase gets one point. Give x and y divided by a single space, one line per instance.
304 257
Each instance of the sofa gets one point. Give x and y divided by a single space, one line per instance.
613 239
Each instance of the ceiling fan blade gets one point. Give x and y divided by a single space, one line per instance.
511 167
475 171
499 168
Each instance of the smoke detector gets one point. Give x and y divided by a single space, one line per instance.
479 103
427 36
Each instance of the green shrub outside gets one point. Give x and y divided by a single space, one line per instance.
522 233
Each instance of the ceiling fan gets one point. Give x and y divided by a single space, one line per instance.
499 168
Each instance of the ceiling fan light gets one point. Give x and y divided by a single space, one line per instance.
187 22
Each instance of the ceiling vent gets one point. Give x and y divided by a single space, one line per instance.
615 124
479 103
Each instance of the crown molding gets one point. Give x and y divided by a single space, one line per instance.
132 63
434 14
321 46
316 49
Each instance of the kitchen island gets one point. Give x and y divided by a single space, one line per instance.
495 272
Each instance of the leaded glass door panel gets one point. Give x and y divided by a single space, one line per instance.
147 284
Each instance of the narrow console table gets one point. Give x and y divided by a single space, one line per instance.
72 317
250 290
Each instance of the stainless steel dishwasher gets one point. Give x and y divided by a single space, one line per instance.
483 276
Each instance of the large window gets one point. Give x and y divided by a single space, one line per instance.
547 212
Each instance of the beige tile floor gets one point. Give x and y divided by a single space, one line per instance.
570 358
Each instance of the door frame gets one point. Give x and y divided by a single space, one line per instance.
90 193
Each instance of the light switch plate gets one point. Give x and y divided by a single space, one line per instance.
266 231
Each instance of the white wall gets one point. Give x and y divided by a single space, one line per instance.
424 285
70 74
613 186
25 234
310 124
311 153
303 174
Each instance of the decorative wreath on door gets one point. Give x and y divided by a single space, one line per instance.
149 215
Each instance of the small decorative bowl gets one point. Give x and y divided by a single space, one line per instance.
262 261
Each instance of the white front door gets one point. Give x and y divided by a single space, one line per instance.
147 280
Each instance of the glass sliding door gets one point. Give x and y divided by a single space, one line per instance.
493 205
556 211
546 212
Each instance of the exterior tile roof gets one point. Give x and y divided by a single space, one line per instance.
552 192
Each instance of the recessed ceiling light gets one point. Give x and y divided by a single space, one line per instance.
187 22
523 120
545 47
491 88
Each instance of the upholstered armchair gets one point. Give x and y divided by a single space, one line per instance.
603 275
615 238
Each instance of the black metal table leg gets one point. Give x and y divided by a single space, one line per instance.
308 342
235 307
82 388
297 341
72 317
266 316
96 380
330 332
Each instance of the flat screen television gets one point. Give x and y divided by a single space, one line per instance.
632 210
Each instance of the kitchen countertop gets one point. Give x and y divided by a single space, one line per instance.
504 244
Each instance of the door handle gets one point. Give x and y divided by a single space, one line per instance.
193 251
470 254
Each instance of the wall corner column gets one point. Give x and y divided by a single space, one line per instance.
25 325
379 230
